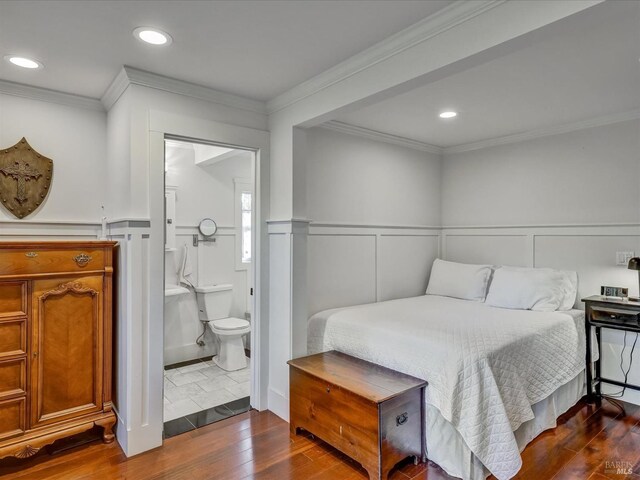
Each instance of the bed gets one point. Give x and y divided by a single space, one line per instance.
497 377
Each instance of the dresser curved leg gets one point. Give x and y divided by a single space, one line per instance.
107 428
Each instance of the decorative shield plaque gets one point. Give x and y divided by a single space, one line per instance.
25 178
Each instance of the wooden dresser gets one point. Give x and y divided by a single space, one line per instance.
370 413
55 342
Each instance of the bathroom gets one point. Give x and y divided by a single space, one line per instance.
208 283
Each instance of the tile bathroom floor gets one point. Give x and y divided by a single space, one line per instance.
197 386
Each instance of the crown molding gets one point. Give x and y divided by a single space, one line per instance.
380 136
435 24
51 96
545 132
115 90
133 76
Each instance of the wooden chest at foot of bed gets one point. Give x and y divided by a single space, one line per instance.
370 413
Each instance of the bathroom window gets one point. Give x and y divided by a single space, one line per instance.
245 205
243 222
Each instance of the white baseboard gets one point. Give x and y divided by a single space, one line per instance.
278 404
121 433
139 440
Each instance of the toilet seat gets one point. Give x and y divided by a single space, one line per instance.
230 331
230 323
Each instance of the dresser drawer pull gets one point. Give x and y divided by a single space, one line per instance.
31 254
82 259
402 419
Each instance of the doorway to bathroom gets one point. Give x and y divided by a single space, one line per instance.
209 281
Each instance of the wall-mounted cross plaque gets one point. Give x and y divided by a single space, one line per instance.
25 178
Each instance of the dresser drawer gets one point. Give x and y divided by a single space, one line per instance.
13 299
13 337
42 260
12 417
13 377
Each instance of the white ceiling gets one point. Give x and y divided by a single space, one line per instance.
256 49
590 69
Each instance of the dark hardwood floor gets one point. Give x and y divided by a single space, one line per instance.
590 442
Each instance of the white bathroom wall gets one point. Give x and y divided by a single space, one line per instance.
567 201
375 216
202 192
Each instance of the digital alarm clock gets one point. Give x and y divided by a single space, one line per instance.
619 292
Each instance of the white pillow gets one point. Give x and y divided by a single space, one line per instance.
540 289
459 280
570 289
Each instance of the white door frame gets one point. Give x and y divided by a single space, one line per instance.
163 124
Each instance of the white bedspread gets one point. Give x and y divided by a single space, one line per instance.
485 366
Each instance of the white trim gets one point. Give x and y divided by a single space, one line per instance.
600 121
115 89
132 220
295 225
48 222
162 125
551 225
49 228
191 229
132 76
369 225
440 21
349 129
545 132
278 403
51 96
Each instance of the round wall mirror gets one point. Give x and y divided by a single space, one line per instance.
208 227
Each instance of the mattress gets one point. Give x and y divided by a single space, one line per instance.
486 367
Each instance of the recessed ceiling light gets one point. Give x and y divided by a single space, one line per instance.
152 36
23 62
449 114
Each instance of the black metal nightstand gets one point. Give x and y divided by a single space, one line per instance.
605 312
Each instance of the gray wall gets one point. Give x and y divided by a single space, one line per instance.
587 176
375 212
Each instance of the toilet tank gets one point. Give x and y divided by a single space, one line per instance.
214 301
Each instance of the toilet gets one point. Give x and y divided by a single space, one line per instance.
214 305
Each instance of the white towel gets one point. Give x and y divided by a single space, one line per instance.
186 270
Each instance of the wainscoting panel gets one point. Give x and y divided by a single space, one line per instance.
488 249
404 264
342 271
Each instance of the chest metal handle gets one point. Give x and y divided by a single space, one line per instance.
31 254
82 259
402 419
